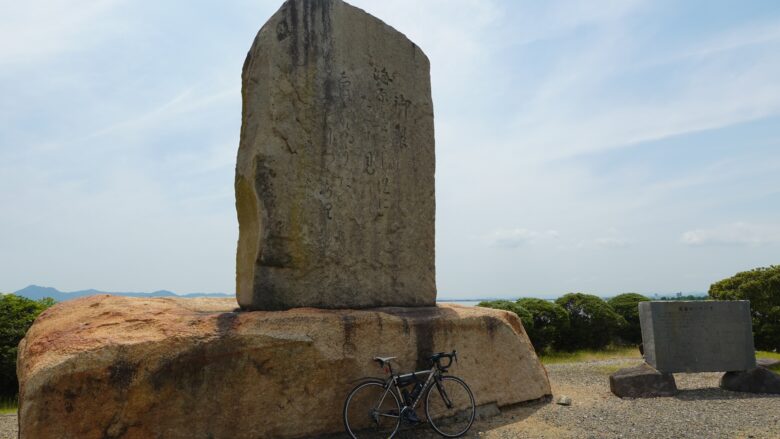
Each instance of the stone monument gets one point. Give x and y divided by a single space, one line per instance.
697 336
335 173
694 336
335 199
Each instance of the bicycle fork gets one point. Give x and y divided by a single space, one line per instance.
443 394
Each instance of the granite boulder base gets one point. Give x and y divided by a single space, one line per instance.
128 368
335 172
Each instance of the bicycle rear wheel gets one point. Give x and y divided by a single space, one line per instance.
372 411
450 407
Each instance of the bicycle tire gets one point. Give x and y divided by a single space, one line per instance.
450 421
358 403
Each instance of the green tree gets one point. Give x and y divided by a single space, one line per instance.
761 286
592 322
16 316
550 323
506 305
627 305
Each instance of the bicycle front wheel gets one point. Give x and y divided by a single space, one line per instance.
372 411
449 406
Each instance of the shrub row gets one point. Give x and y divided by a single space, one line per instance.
16 316
761 287
583 321
577 320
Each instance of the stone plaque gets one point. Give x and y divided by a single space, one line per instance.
335 172
697 336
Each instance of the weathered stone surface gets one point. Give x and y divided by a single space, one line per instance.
118 367
335 172
642 381
697 336
758 380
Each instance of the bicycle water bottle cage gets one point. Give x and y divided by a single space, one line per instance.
416 391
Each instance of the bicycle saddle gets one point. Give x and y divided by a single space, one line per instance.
383 360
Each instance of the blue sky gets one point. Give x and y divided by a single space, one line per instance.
597 146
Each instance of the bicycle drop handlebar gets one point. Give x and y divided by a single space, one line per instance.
437 359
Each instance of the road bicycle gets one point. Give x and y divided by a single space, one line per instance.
376 407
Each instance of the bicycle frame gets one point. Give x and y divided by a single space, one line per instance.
392 390
433 377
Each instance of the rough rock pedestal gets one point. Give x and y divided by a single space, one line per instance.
642 381
128 368
756 380
335 172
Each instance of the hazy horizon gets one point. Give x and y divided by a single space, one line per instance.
582 146
440 296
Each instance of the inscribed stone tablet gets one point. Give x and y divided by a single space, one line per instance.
335 172
697 336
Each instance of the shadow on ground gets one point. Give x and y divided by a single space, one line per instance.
487 419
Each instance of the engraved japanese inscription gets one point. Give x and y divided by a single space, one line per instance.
697 336
335 171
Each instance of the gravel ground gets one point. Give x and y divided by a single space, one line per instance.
8 426
700 411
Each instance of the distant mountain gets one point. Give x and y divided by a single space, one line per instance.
36 292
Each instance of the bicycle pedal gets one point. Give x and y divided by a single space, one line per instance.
411 417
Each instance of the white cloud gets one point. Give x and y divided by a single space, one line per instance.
754 34
578 109
543 20
612 242
30 31
734 234
514 238
170 109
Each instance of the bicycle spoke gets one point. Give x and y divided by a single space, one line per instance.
369 412
450 407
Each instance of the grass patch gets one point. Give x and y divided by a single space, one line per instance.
767 354
8 405
608 353
609 369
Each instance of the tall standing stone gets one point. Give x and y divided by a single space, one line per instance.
335 173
